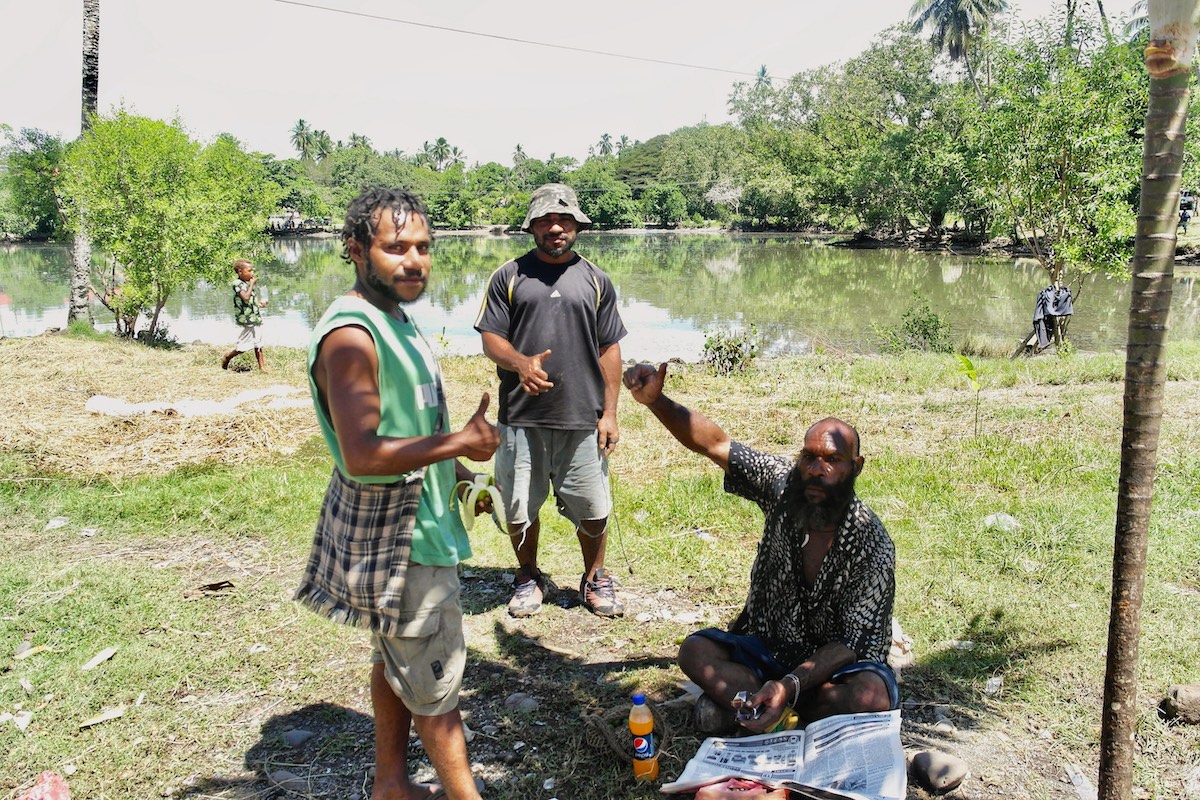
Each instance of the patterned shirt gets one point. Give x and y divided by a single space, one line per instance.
246 312
851 599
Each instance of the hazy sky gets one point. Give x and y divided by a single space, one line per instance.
253 67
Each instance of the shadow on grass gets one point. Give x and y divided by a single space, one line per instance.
956 675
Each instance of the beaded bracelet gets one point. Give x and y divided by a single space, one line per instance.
796 681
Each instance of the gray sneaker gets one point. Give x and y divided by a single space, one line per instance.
529 589
600 596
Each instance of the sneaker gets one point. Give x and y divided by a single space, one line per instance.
528 591
600 596
711 719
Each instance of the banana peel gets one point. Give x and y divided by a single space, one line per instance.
483 487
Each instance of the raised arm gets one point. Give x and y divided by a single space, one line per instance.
694 431
350 392
534 379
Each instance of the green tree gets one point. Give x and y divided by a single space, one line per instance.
664 205
605 146
697 159
167 211
1173 30
955 26
358 140
606 200
1054 147
304 139
323 145
33 159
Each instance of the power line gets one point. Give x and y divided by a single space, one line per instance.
516 40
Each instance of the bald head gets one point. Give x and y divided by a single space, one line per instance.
836 433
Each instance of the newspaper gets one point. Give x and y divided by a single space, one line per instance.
851 756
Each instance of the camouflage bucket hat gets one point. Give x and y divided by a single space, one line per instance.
554 198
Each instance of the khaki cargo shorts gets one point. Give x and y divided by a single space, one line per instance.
424 662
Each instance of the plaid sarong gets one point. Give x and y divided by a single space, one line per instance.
355 572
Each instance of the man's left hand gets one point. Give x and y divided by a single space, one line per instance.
607 435
773 699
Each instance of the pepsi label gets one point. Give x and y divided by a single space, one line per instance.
643 746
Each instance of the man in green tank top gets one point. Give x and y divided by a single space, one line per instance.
386 549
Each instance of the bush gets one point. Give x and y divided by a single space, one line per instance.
920 328
728 352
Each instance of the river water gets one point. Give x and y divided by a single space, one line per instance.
801 294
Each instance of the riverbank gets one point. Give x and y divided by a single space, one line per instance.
178 539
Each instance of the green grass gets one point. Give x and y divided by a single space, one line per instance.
219 676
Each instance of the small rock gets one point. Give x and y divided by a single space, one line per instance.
288 780
514 699
55 523
22 719
490 730
1001 522
938 772
548 784
468 734
993 685
941 712
645 616
964 644
1183 703
508 756
518 745
943 726
297 737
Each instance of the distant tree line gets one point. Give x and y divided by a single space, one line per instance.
1030 131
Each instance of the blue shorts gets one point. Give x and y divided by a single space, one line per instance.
751 652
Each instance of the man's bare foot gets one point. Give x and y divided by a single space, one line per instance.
409 791
225 361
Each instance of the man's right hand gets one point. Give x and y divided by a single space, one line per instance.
479 437
645 382
534 379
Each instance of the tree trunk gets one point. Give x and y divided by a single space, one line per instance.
81 252
1145 374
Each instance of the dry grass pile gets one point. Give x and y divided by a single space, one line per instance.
49 379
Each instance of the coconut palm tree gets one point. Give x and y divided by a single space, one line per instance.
303 139
605 145
358 140
1168 59
761 78
955 26
1139 20
457 156
81 247
441 153
622 143
322 145
519 155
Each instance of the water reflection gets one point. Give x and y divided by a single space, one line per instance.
800 293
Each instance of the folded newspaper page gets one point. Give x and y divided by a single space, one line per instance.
853 756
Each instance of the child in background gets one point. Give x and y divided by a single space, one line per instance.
247 308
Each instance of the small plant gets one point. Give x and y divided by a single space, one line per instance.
965 367
920 328
1065 349
727 352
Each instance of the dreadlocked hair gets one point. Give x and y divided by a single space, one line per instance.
360 218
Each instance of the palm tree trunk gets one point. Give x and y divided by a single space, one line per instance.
81 252
1145 374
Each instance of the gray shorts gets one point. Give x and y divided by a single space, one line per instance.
424 662
530 460
250 338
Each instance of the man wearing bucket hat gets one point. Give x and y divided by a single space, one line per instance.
549 320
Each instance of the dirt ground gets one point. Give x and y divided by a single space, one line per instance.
563 647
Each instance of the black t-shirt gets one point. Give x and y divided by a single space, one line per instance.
569 309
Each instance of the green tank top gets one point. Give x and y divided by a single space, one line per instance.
412 403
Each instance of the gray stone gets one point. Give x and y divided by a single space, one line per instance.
941 712
521 701
1183 703
938 772
297 737
288 780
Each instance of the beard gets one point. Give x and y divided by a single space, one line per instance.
372 279
826 513
543 244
